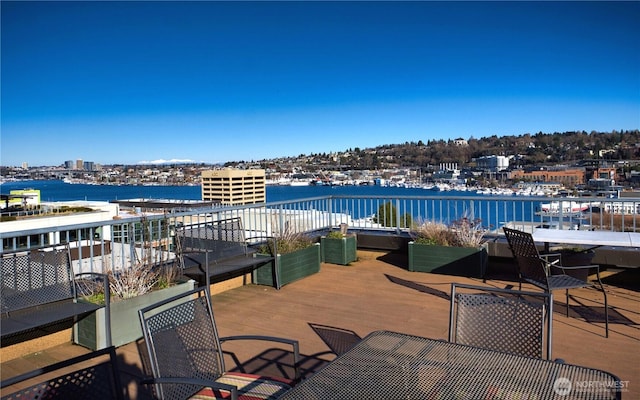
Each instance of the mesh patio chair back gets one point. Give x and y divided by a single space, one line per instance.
182 341
186 358
531 266
539 270
510 321
214 236
99 378
43 275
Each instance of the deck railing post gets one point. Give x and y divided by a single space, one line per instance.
398 216
330 211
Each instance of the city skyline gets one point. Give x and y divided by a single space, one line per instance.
132 82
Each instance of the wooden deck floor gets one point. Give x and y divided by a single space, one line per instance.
328 311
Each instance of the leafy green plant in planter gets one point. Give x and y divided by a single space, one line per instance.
297 256
150 270
432 233
131 290
335 235
455 249
464 232
338 248
288 242
148 279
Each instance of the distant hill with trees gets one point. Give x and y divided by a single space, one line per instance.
527 150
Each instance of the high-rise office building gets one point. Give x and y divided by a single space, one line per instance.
234 186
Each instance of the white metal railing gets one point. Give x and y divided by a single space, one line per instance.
116 243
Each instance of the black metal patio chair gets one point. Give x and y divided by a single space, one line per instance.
538 269
186 357
505 320
96 376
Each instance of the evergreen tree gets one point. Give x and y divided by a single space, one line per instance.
387 216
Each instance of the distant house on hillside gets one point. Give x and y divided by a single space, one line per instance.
460 142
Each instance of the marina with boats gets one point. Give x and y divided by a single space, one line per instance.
359 205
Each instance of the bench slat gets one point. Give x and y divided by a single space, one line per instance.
220 270
43 315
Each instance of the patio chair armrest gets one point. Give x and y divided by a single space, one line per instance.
100 274
193 381
294 344
105 277
547 255
583 267
551 258
266 237
578 267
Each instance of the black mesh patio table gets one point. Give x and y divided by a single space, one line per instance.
389 365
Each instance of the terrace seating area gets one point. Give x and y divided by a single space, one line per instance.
330 311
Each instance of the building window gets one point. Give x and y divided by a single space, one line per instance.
25 242
75 235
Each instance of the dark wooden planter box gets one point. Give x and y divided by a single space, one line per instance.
459 261
292 266
383 240
339 251
575 259
125 322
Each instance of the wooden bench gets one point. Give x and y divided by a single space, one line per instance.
70 379
38 288
216 251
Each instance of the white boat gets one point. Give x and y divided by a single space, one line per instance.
300 182
277 182
565 207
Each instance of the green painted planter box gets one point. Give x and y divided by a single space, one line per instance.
339 251
458 261
125 323
292 266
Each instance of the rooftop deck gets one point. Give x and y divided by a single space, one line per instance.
340 304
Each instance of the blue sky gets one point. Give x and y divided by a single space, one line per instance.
127 82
